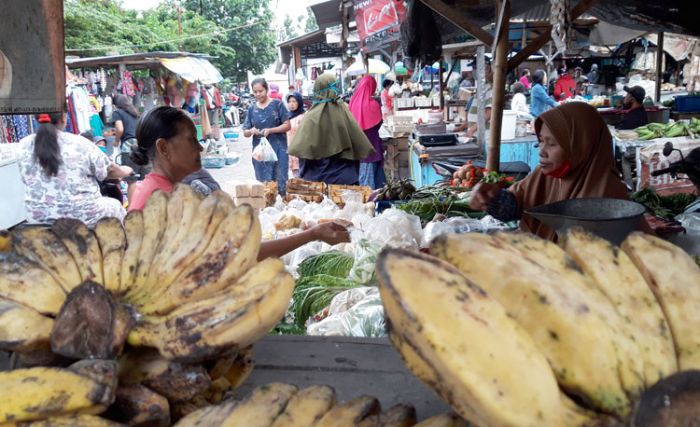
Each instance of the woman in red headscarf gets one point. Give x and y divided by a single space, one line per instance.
368 113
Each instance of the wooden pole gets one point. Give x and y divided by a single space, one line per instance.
480 82
659 66
500 70
442 89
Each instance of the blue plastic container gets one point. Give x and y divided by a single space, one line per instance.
688 104
213 162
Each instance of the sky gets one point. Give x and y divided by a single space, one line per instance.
293 8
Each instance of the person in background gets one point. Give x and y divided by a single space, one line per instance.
295 105
565 87
125 117
467 78
168 140
593 75
275 92
576 161
214 102
634 102
471 125
519 102
386 96
61 174
540 101
329 143
368 114
269 118
525 79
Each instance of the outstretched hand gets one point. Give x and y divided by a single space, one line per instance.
332 233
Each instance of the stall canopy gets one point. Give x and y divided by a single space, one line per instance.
192 67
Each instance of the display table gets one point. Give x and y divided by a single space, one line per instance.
12 210
422 159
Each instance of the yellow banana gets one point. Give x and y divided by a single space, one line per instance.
22 328
38 393
561 316
351 413
227 320
306 407
262 406
443 420
69 421
83 245
5 241
41 245
472 345
26 283
674 277
112 239
399 416
209 416
154 220
133 227
619 280
233 250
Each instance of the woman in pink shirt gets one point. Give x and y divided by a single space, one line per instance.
525 78
167 139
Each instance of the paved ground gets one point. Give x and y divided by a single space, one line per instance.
244 168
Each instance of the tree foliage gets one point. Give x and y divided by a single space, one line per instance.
249 34
236 32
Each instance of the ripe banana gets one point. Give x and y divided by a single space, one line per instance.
133 227
83 245
229 320
351 413
71 421
474 363
210 416
673 276
306 407
619 280
137 405
399 416
5 241
262 406
22 328
112 239
154 220
546 254
38 393
233 250
26 283
190 247
562 319
444 420
41 245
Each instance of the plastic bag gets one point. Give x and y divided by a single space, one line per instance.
264 151
366 253
357 312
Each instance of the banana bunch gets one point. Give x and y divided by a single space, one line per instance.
670 130
175 297
284 405
513 330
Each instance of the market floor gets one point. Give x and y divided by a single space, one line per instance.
244 168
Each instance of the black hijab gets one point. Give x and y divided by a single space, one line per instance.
300 102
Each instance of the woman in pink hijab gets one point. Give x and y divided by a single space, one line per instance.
367 111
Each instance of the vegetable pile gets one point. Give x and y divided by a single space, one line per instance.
670 130
430 201
469 175
664 206
395 190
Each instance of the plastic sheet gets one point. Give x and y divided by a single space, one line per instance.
460 225
366 253
357 312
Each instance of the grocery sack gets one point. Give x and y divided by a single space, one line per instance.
264 151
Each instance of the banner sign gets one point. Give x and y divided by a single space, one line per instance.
32 63
379 22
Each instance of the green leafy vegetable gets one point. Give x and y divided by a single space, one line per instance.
336 264
430 201
663 206
314 293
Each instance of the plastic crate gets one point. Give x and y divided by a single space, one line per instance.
403 102
688 103
424 102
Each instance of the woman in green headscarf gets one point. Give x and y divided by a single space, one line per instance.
329 142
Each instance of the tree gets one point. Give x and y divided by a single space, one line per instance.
288 30
249 38
311 24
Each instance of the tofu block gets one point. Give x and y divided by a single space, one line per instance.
255 188
255 202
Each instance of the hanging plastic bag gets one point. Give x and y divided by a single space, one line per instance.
264 151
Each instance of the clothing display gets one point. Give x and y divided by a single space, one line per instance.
15 127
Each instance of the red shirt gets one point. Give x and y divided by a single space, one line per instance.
566 85
145 188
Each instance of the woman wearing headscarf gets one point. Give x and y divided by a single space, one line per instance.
368 114
576 161
329 142
295 105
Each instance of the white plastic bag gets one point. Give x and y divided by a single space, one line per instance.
357 312
264 151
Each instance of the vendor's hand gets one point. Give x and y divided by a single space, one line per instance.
265 132
482 195
332 233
